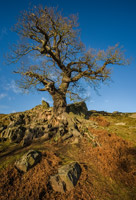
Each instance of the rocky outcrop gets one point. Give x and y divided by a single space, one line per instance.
14 134
78 108
27 125
39 123
2 128
39 131
29 160
67 177
45 104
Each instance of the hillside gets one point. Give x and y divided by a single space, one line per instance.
105 152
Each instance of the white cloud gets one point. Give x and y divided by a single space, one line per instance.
12 86
2 95
87 93
13 111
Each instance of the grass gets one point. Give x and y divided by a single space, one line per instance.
126 131
99 184
10 152
106 188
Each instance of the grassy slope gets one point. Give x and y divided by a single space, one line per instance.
126 131
106 175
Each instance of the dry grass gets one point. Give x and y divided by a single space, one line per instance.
108 169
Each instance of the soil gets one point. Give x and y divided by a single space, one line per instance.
108 170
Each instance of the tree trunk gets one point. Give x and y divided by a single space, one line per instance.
67 128
59 105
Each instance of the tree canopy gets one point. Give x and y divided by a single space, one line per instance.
59 58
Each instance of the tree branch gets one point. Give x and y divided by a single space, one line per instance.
34 75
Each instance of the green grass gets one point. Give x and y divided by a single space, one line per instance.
127 131
10 152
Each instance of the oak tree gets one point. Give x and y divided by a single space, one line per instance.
59 60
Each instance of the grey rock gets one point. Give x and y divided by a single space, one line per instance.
27 119
78 108
67 177
15 134
74 132
57 184
67 136
75 140
18 120
27 140
46 136
116 112
28 160
45 104
37 131
2 128
32 133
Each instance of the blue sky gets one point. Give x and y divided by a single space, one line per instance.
103 23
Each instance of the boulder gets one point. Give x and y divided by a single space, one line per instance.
116 112
18 120
37 131
28 160
57 184
67 177
45 104
2 128
27 140
46 136
67 136
14 134
78 108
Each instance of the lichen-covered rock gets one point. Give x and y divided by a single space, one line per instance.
45 104
116 112
67 177
29 160
17 120
27 140
37 130
2 127
57 184
14 134
78 108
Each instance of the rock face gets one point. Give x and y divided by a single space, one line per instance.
27 125
78 108
32 124
67 177
30 159
45 104
15 133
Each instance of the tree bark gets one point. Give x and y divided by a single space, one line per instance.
59 105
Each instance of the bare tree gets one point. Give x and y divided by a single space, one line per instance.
61 59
